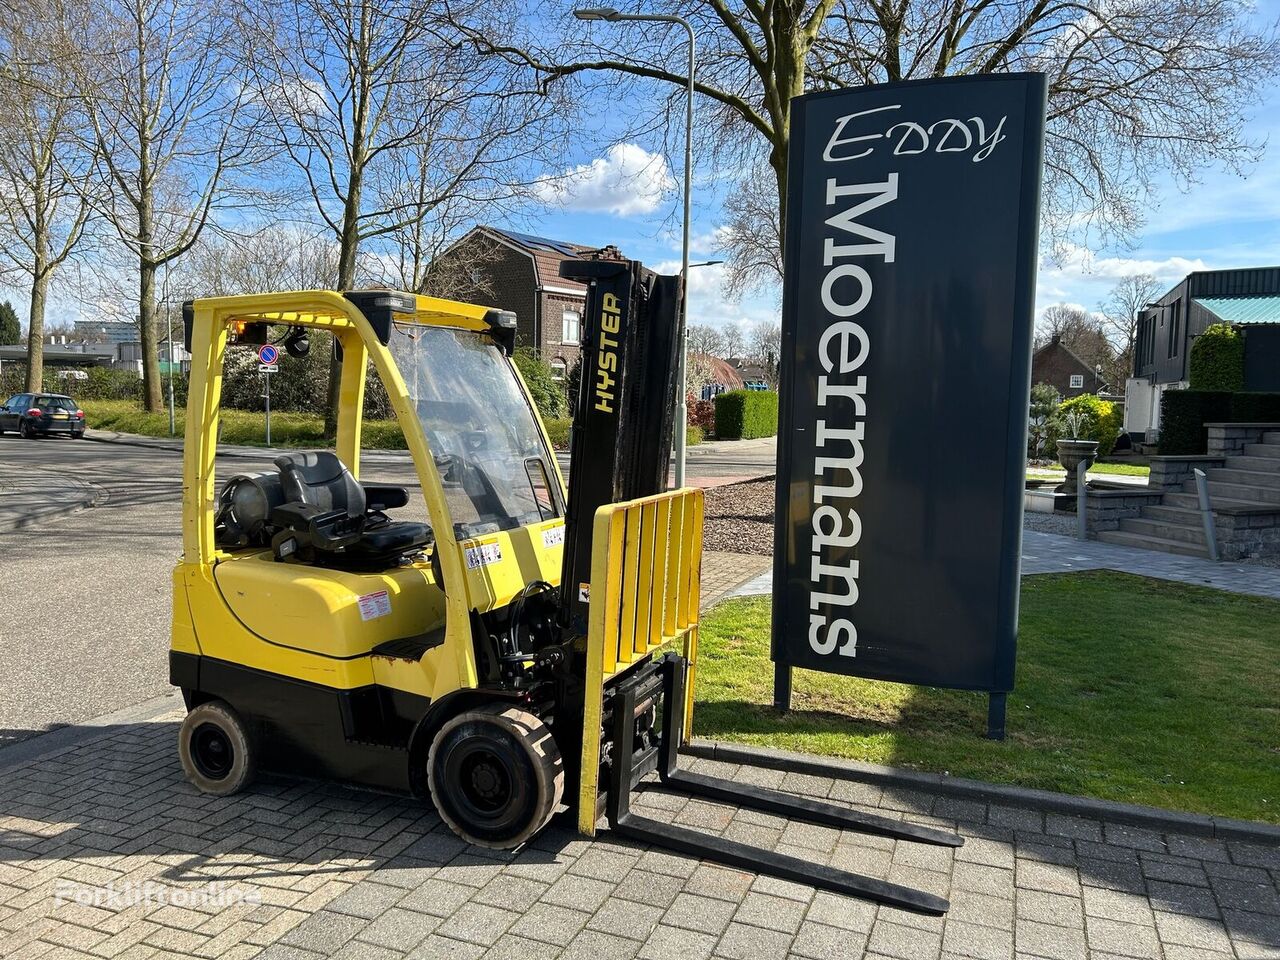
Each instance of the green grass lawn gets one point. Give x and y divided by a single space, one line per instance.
1128 689
1116 469
238 426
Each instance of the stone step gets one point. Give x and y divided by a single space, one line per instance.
1160 530
1190 501
1236 491
1269 450
1255 464
1245 478
1271 436
1123 539
1188 516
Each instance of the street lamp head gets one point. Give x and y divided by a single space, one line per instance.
597 13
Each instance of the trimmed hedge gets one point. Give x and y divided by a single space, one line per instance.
1217 360
746 414
1183 414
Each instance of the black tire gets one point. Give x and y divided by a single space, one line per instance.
25 431
216 751
495 775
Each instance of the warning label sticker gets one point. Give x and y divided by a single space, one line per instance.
483 554
584 592
553 536
374 605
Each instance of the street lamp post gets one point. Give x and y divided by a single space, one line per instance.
682 404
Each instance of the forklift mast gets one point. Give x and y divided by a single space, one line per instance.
623 414
632 552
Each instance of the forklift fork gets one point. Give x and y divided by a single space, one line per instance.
630 762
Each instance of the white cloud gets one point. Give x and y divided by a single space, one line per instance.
626 181
1080 262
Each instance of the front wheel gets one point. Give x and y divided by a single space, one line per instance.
216 752
495 775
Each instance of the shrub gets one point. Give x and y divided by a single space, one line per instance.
1103 421
572 379
558 431
1217 359
693 435
548 396
746 414
1183 414
702 414
1045 401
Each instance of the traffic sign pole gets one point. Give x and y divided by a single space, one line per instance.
268 354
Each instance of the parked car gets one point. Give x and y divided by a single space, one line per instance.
34 415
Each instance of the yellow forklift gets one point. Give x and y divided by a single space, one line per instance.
512 649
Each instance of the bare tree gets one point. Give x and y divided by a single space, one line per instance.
1137 88
1120 313
1079 331
705 340
271 258
765 347
42 165
386 123
732 342
164 106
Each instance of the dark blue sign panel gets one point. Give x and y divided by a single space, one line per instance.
906 342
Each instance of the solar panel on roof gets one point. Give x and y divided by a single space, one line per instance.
540 243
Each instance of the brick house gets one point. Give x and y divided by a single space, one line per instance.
521 273
1056 364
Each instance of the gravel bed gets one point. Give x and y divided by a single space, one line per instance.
739 518
1062 524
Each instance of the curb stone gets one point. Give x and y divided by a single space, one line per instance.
1129 814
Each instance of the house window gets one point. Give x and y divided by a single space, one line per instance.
570 326
1077 381
558 368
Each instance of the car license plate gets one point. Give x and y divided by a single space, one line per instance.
59 416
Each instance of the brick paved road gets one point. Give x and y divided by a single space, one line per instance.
353 874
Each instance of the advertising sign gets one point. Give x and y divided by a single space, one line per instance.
908 302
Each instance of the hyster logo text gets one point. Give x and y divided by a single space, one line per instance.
607 358
842 349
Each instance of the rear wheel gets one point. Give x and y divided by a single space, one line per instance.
217 755
495 775
25 431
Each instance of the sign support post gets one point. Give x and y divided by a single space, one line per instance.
782 686
268 354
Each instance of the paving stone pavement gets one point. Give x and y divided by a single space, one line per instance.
313 869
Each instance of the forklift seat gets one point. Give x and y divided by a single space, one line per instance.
331 516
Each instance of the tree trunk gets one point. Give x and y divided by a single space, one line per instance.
35 335
346 280
147 334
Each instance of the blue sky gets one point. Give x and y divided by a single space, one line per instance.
626 194
1224 220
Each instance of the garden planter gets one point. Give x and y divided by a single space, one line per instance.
1070 454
